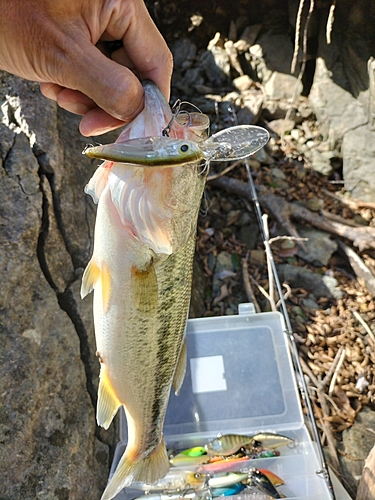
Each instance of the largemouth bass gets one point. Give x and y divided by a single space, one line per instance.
141 272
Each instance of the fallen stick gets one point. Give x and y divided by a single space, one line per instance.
283 212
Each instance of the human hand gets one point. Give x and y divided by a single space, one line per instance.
58 42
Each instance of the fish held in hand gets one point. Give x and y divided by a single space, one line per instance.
141 272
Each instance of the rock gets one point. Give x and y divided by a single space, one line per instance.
356 444
319 246
249 235
320 286
243 82
319 162
310 304
224 262
282 126
277 173
366 488
184 52
248 37
358 151
345 119
336 109
282 86
50 448
215 62
252 102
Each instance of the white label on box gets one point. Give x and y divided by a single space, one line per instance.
208 374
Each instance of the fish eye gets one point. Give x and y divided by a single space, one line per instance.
184 148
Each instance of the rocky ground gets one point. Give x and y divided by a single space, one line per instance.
319 163
321 238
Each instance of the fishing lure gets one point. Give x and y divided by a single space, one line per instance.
229 444
182 460
228 491
233 143
272 441
196 451
262 483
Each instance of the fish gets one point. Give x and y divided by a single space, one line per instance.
229 444
140 273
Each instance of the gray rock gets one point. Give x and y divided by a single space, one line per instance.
249 235
336 109
184 52
356 444
358 151
224 262
319 246
310 304
50 448
243 82
320 286
282 86
282 126
319 162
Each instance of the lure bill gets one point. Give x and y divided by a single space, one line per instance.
234 143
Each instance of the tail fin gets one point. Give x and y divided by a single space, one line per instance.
147 470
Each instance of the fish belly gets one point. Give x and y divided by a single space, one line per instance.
141 303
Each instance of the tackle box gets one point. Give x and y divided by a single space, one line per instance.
240 380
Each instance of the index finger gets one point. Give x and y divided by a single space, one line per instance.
148 50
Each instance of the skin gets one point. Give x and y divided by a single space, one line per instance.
63 44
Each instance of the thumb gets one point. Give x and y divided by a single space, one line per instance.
113 87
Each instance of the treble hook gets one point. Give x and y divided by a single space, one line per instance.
175 111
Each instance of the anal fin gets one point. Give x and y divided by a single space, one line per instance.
180 370
108 403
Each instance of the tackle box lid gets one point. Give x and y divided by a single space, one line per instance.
239 377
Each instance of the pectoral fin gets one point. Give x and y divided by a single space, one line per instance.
108 404
179 373
145 289
93 273
90 277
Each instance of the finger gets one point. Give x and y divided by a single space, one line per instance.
113 87
71 100
51 90
75 102
148 50
97 122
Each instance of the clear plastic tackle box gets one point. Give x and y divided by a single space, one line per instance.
240 380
